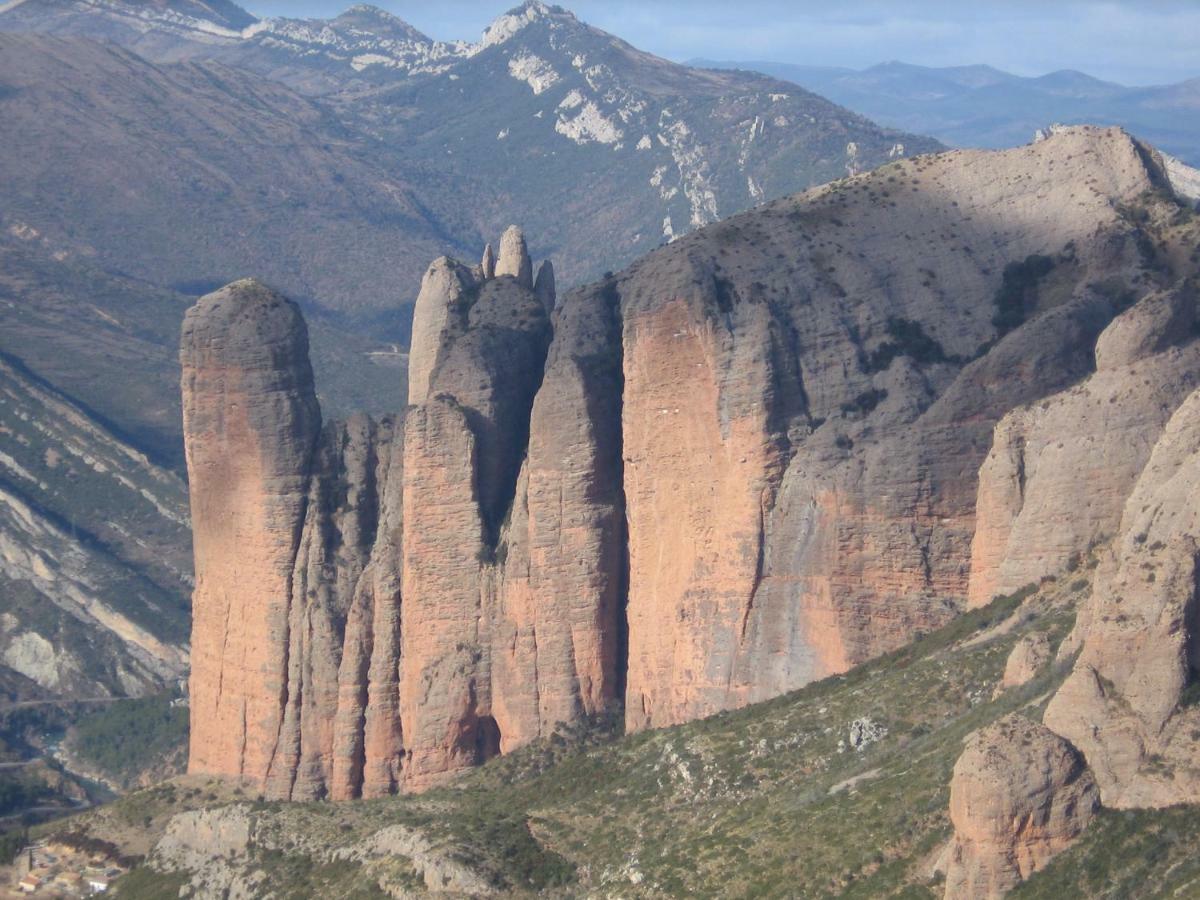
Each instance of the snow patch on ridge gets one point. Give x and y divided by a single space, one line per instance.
588 125
534 71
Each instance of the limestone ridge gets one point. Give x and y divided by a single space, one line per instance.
1107 468
757 457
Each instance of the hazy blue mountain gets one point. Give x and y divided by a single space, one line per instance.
980 106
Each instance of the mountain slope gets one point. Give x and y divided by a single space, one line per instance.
978 106
94 555
602 151
586 128
215 173
161 29
839 789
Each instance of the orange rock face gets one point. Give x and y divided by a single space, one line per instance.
558 636
1020 795
751 460
286 515
252 422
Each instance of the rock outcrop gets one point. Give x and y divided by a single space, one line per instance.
809 501
514 257
251 418
285 516
1060 470
750 460
543 285
1126 704
1019 796
1028 657
1114 455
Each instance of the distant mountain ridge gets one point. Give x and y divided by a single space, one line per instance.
154 150
437 144
982 106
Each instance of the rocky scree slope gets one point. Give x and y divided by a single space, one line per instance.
846 355
94 563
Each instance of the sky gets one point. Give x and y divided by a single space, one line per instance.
1130 41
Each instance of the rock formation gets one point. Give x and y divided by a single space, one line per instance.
442 288
750 460
251 416
1029 655
1127 703
1060 470
543 285
1020 794
488 265
1114 455
514 257
1108 464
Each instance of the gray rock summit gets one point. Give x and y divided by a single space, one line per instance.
514 257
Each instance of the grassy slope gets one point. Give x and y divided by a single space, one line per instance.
758 802
741 804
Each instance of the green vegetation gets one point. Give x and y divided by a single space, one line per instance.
147 884
121 740
907 338
18 793
1018 291
766 801
865 402
11 843
1125 855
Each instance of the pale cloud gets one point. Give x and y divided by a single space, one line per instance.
1133 41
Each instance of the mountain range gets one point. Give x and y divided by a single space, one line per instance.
981 106
374 147
156 150
786 561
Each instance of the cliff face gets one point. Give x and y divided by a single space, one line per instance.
252 422
1060 471
1124 704
287 516
1103 474
807 501
750 460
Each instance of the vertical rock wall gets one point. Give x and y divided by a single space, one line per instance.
750 460
252 424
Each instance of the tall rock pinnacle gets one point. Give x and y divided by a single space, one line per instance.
543 287
444 283
488 264
251 422
514 257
